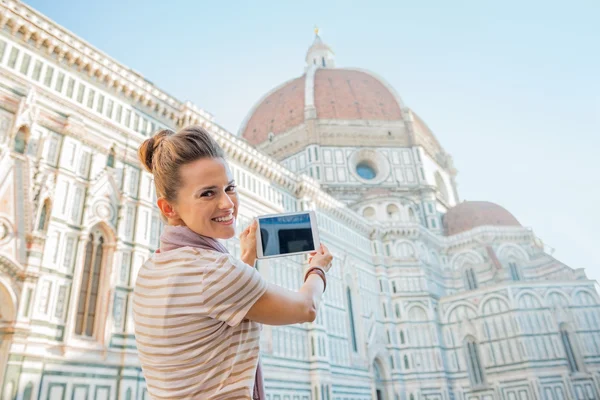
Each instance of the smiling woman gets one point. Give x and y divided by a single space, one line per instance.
197 310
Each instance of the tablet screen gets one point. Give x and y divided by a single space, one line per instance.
286 234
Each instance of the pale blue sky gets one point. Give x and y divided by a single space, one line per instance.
511 89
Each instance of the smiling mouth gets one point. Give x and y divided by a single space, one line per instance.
224 219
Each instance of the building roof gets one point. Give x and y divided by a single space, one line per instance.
338 94
472 214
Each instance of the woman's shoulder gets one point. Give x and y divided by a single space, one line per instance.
190 256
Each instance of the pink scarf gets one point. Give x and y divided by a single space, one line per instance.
174 237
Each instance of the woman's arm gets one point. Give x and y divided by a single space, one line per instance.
279 306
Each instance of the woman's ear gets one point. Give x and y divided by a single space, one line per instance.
167 209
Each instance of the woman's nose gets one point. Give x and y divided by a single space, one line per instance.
226 202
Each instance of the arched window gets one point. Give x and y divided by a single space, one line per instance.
43 220
566 341
401 337
406 364
470 279
411 215
393 212
90 282
28 391
351 318
397 307
128 394
110 160
369 212
21 140
473 361
514 271
405 250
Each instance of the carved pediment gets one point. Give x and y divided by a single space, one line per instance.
27 112
103 200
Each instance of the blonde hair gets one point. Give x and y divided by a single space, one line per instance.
166 152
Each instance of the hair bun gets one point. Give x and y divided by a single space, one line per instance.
149 147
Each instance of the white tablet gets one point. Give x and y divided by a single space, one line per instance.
286 234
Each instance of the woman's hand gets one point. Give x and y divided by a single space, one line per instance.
321 258
279 306
248 244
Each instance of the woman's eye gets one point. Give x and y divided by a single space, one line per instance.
230 188
208 193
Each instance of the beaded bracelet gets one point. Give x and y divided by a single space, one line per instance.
319 271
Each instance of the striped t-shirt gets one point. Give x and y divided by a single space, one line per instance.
193 342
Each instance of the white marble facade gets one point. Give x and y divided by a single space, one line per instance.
411 311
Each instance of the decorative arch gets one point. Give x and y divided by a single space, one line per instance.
583 297
556 298
405 249
512 252
417 313
529 299
469 257
493 304
107 231
461 311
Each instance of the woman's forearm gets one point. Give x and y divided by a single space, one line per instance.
248 258
312 289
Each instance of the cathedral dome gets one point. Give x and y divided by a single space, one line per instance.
334 94
324 93
472 214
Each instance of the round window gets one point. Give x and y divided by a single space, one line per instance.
365 170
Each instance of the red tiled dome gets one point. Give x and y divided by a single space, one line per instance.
339 94
471 214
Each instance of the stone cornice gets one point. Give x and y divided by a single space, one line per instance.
510 286
39 31
488 234
478 236
310 188
65 117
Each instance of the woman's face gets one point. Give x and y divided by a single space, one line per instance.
207 201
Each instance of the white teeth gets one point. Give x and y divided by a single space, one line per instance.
224 219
